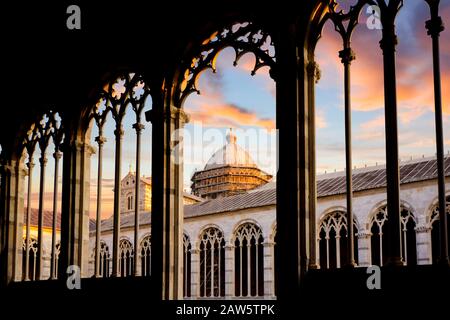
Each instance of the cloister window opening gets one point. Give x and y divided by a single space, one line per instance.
249 257
341 137
116 129
32 259
332 240
42 209
378 228
126 256
434 224
105 260
234 112
212 263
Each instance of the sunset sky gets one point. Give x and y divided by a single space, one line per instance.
233 98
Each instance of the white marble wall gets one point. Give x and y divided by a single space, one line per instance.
419 197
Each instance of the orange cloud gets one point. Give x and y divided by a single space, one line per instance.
415 86
220 114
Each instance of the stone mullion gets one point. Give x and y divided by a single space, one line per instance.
57 155
138 126
435 26
388 44
40 265
100 141
117 189
313 73
30 166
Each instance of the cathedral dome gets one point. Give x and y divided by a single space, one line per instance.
230 154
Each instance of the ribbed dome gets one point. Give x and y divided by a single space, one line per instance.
230 155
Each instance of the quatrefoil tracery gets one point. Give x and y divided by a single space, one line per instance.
243 38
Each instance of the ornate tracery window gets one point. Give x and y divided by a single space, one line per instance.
46 135
249 270
332 240
243 37
126 255
186 266
212 263
105 260
435 231
119 108
146 256
32 259
378 228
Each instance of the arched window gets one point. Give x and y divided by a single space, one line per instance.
105 259
186 266
116 123
332 237
249 270
212 263
146 256
435 226
130 202
32 256
43 138
378 228
126 256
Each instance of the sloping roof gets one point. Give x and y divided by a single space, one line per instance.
375 177
327 184
232 203
126 221
192 196
48 218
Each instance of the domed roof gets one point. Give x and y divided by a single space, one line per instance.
230 155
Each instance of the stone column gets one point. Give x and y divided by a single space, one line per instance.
167 197
293 166
75 208
100 139
269 269
388 44
12 192
229 271
40 252
195 271
434 28
313 73
30 166
117 190
57 155
138 126
364 248
423 243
